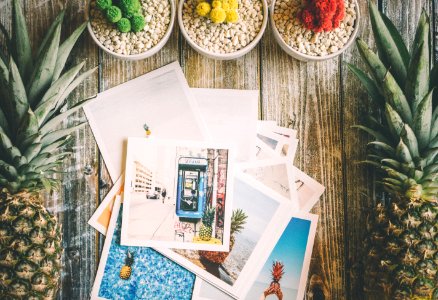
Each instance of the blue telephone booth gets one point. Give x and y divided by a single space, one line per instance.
191 187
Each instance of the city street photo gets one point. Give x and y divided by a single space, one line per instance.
176 195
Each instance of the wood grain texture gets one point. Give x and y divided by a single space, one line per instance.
320 100
358 196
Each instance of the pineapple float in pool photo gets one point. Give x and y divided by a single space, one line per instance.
126 270
402 243
33 89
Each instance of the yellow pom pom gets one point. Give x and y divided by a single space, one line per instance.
218 15
225 5
203 9
232 16
216 3
234 4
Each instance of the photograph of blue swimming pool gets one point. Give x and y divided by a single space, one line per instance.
152 275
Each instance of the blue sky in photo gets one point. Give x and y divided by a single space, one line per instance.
290 249
257 206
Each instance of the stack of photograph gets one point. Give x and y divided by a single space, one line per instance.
206 201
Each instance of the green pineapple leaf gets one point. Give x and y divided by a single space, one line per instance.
434 143
393 181
417 83
395 122
430 156
392 50
49 32
59 134
379 137
53 123
21 50
48 167
370 163
54 94
408 137
423 121
395 174
433 168
16 105
65 49
368 83
434 126
389 87
8 171
384 147
394 164
78 80
36 138
46 184
42 74
56 145
4 123
32 151
28 127
4 73
403 153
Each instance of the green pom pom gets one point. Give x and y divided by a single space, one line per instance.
138 23
113 14
130 7
124 25
104 4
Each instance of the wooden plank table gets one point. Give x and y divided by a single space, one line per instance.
321 100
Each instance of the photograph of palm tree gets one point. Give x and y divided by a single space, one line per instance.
281 275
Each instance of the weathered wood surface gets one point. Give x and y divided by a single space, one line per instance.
320 100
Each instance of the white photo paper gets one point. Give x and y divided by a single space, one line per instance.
276 174
283 145
132 273
159 101
264 215
308 189
171 187
230 115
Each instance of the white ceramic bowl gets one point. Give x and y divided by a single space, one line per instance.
304 57
147 53
223 56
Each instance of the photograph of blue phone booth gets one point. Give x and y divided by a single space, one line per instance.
191 187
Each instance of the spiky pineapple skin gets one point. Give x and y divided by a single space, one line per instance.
30 252
205 232
125 272
406 263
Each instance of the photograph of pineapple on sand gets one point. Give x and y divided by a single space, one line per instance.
284 275
176 194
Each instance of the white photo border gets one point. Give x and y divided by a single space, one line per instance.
125 240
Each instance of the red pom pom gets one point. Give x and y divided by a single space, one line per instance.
322 15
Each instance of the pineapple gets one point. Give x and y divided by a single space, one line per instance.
207 224
33 93
274 288
402 244
238 220
126 270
